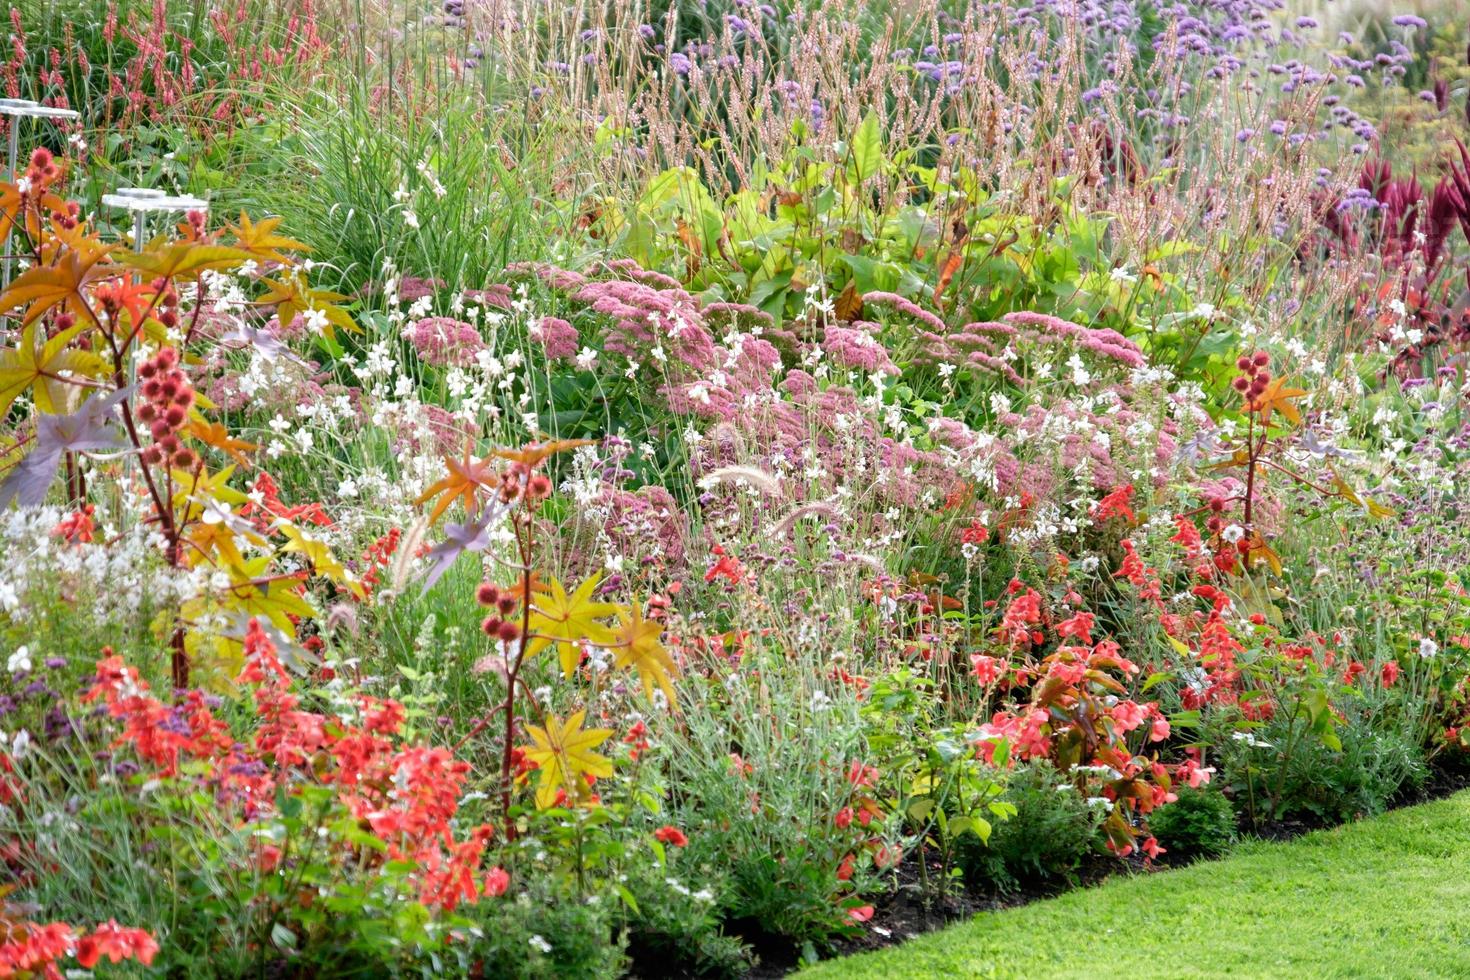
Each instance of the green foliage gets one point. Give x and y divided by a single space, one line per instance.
1201 823
759 781
1053 830
671 929
948 796
543 934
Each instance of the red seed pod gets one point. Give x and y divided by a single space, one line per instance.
184 398
175 416
1241 383
1243 363
1262 358
491 625
146 371
183 459
1217 504
539 487
152 388
167 358
147 413
169 444
160 430
169 319
487 594
506 604
168 387
509 631
152 456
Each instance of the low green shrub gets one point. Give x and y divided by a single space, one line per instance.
1201 823
1053 830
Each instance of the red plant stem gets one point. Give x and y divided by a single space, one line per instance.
512 673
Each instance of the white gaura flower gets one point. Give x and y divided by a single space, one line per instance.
1233 534
1428 648
20 661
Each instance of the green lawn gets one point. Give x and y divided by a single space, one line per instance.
1388 897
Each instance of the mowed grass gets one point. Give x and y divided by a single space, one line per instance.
1388 897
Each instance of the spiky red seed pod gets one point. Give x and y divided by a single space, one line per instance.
491 625
487 594
183 459
1262 358
509 632
506 604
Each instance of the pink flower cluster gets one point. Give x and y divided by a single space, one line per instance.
556 336
442 341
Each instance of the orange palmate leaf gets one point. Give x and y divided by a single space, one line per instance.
260 239
1260 551
46 287
10 208
216 435
1277 397
533 453
466 478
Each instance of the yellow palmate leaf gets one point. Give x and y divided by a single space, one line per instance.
567 620
183 259
291 296
636 645
53 370
321 559
195 488
563 753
